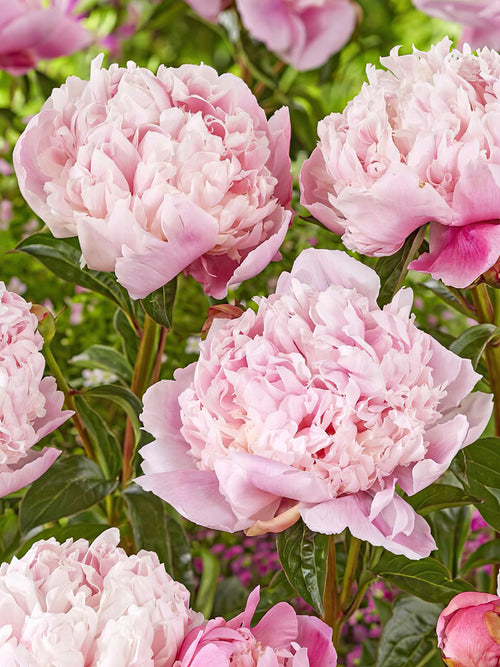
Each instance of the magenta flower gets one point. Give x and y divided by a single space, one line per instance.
481 19
315 406
304 33
75 604
418 144
30 405
468 631
280 638
160 174
31 31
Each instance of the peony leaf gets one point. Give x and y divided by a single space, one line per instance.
70 485
155 529
62 257
472 343
129 336
9 535
450 529
392 270
159 305
482 472
410 634
438 497
205 596
124 398
107 359
105 444
427 579
302 554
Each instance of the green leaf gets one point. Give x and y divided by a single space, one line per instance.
410 634
279 590
107 359
105 444
62 257
393 269
482 472
438 497
450 528
122 397
302 555
472 343
453 297
486 554
159 305
9 535
157 530
70 485
427 579
129 336
87 531
230 598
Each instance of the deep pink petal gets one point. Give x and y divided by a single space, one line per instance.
459 255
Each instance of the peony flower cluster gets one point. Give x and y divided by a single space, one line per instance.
281 638
468 630
75 604
316 405
30 406
418 144
157 174
481 19
304 33
33 30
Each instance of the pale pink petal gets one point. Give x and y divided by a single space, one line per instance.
27 470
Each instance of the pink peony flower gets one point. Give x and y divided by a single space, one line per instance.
304 33
75 604
481 19
209 9
160 174
30 406
468 631
280 638
317 405
420 143
33 30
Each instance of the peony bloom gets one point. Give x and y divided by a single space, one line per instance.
160 174
481 19
420 143
317 405
75 604
304 33
33 30
209 9
280 638
30 406
468 631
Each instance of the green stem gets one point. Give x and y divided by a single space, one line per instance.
330 594
143 369
350 573
69 400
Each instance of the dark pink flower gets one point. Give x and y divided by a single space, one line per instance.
468 631
281 638
31 30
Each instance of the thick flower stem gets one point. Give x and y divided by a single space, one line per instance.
350 573
330 594
143 370
69 400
